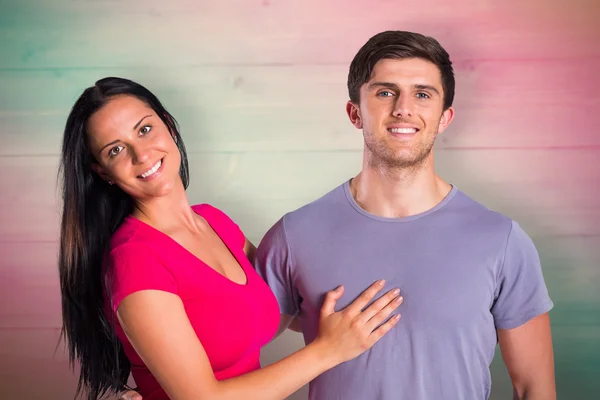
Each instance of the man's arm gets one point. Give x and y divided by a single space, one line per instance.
286 321
296 325
529 357
249 250
273 262
520 311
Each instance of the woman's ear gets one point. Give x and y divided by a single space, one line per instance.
100 171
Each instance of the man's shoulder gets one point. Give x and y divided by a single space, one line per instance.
471 210
317 211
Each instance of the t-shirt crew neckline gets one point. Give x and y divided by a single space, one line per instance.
367 214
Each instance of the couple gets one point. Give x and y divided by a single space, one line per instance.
176 295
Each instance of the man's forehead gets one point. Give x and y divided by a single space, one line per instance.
406 71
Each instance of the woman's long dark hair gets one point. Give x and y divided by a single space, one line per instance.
92 211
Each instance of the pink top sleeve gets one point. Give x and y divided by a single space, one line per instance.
136 267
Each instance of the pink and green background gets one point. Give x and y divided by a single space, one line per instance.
258 87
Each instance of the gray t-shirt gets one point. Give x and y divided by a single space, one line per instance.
463 271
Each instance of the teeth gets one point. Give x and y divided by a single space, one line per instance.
152 170
403 130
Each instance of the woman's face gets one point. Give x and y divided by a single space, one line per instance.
133 148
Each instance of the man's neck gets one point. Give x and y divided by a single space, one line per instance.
400 192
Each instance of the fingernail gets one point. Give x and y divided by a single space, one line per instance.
396 291
397 317
137 397
337 289
381 282
399 300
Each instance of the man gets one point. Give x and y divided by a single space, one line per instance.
470 277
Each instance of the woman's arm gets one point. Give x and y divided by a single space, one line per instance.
177 359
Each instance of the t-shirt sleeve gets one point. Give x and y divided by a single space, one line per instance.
226 226
273 262
133 268
521 292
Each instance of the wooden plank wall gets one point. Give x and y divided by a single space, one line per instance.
259 90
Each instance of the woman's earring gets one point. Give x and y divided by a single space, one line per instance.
110 182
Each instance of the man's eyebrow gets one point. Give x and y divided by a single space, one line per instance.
388 85
393 86
427 87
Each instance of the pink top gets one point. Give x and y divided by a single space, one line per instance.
232 321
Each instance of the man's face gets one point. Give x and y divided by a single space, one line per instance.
401 112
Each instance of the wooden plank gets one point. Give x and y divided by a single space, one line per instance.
34 367
280 175
569 265
28 356
284 345
553 193
508 105
259 89
219 109
30 274
86 34
31 353
576 355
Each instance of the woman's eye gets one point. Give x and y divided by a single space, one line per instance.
145 129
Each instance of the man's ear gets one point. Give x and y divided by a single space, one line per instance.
447 117
354 114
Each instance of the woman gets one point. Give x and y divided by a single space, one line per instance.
164 289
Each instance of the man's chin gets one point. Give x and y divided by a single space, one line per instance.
406 160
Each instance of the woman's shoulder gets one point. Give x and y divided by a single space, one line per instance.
216 216
206 209
210 212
